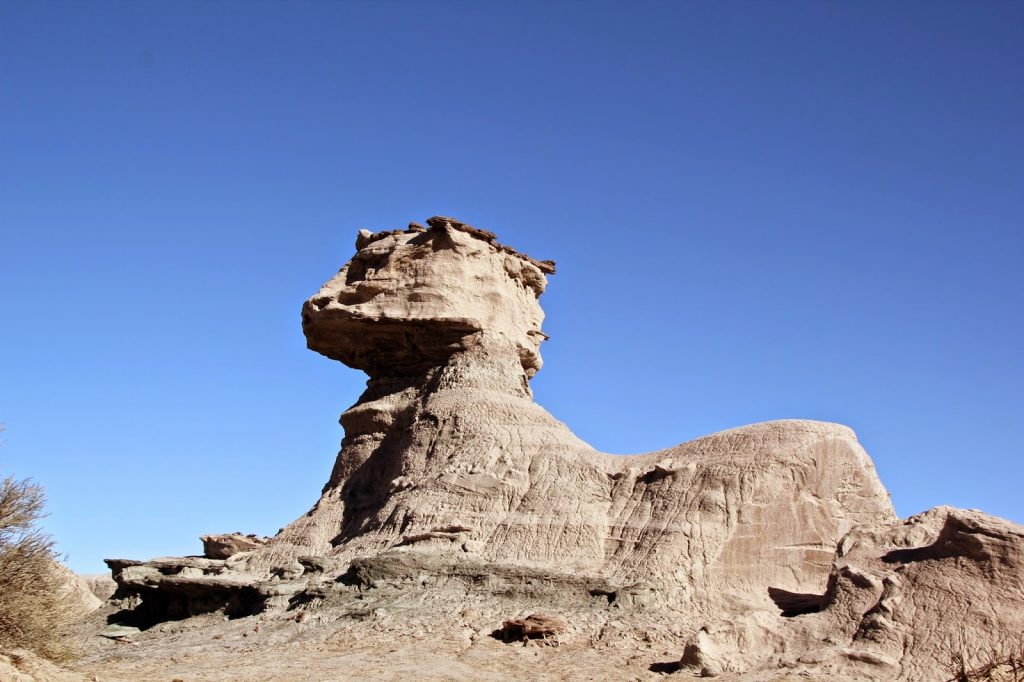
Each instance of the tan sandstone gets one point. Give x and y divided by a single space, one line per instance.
764 551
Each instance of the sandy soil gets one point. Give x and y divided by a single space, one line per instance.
379 645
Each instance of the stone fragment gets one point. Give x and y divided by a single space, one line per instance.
119 632
534 626
226 545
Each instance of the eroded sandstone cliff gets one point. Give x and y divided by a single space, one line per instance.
770 547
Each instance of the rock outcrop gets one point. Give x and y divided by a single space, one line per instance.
935 597
21 665
764 541
224 545
101 585
77 590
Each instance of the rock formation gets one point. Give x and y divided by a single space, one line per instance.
101 585
222 546
774 545
77 589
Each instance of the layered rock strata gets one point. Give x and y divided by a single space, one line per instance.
449 468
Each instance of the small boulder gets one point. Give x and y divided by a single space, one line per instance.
535 626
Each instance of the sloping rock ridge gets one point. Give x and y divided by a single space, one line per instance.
768 550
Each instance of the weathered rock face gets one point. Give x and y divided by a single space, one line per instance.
449 468
224 545
101 585
407 301
77 589
936 597
911 593
447 437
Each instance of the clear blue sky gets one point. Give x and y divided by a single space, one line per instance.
760 210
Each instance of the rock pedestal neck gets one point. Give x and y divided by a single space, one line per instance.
449 469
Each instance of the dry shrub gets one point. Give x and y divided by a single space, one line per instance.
1001 660
36 612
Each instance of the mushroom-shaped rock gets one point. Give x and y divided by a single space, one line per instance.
408 300
450 474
